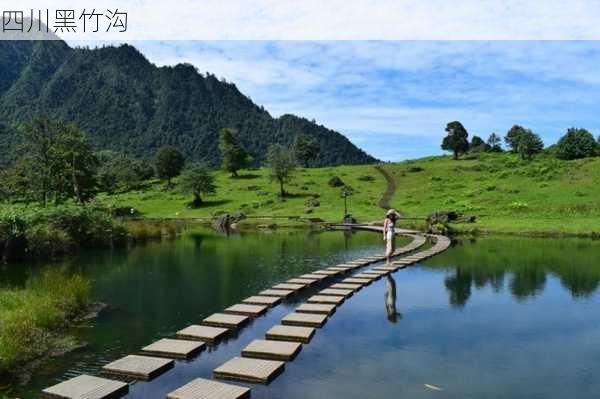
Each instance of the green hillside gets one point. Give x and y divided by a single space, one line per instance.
505 194
127 104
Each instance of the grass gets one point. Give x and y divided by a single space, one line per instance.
30 316
253 194
544 196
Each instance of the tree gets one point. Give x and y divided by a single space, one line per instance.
306 149
494 144
575 144
456 140
512 137
477 144
282 164
529 143
168 163
56 162
234 156
197 180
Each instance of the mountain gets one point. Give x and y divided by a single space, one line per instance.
128 104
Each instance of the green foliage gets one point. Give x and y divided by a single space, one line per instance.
138 107
55 163
121 172
576 144
306 149
168 162
512 137
456 139
29 316
335 181
282 164
234 156
493 143
528 144
197 180
477 144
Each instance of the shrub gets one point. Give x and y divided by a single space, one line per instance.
335 181
312 203
366 178
414 169
576 144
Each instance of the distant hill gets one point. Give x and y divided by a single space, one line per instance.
128 104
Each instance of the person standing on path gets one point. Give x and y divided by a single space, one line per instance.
389 235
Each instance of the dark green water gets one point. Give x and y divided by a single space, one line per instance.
492 318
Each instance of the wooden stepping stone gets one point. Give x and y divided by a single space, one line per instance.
291 333
139 367
336 292
357 280
368 276
201 388
243 309
225 320
316 308
327 272
346 286
304 320
262 300
339 268
250 370
176 348
285 286
203 333
386 268
325 299
376 272
88 387
272 350
313 276
304 281
277 293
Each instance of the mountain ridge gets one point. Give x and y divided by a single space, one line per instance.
128 104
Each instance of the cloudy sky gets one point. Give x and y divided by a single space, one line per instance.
393 98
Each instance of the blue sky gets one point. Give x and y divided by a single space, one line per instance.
393 98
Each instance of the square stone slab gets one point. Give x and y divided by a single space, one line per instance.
225 320
368 276
291 333
346 286
208 389
316 308
333 300
304 281
88 387
277 293
285 286
262 300
376 272
203 333
176 348
340 268
140 367
250 370
327 272
244 309
272 350
313 276
304 320
356 280
336 292
386 268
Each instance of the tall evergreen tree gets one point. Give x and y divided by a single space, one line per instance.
234 156
456 140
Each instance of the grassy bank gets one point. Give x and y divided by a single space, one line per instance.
507 195
31 317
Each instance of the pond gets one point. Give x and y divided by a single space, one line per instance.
496 317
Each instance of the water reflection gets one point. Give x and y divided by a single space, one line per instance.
390 300
522 264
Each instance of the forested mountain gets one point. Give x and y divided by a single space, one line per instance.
128 104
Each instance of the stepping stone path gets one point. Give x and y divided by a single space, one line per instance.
250 370
204 333
176 348
139 367
88 387
272 350
283 342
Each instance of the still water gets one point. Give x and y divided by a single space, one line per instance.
490 318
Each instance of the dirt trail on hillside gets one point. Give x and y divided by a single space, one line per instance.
384 202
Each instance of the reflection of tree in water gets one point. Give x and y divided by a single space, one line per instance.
527 282
459 287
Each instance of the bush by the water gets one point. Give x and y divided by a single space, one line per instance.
29 316
56 230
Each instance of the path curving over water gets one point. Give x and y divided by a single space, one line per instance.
262 360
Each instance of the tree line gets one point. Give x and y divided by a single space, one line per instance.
55 163
575 144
